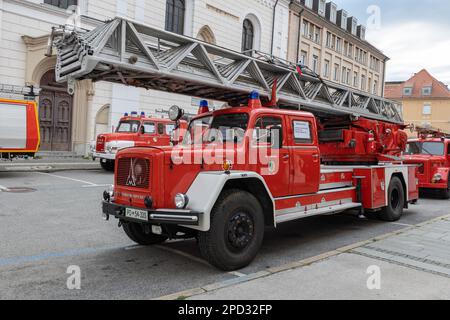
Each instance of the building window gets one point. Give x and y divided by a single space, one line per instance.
248 36
426 91
326 69
338 45
328 41
355 79
63 4
304 58
375 87
315 64
336 72
344 72
407 91
305 28
363 83
175 10
427 110
316 34
348 76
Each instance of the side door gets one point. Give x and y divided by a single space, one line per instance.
163 138
267 154
304 155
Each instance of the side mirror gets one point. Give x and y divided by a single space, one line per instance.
175 113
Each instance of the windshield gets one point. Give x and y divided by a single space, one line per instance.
219 129
128 127
425 148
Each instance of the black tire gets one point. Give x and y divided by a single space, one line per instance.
108 165
137 233
396 202
236 233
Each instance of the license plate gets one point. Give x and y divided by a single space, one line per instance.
136 214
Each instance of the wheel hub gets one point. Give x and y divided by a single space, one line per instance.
240 230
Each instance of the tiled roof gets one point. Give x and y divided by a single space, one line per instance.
422 79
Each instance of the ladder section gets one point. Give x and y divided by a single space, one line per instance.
130 53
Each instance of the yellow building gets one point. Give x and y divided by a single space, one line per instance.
426 100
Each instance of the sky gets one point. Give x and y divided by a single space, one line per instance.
414 34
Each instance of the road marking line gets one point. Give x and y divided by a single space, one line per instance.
5 189
402 224
238 274
184 254
97 186
134 247
52 255
67 178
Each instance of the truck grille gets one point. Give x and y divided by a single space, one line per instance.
133 172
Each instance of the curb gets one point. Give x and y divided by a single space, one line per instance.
49 167
293 265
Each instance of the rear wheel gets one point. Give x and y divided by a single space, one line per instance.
396 202
141 234
108 165
236 233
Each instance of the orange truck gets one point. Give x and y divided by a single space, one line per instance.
19 128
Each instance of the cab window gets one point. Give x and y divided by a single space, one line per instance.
149 128
160 128
302 132
170 127
268 131
128 127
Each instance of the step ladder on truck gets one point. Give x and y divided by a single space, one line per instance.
19 122
321 148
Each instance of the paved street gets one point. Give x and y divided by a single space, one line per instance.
56 223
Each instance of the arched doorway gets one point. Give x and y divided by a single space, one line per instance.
55 114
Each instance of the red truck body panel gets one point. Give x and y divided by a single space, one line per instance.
28 122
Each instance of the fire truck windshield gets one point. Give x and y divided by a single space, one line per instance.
128 127
425 148
219 129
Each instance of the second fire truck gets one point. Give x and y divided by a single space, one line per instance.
136 130
288 146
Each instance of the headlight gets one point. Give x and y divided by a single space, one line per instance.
181 201
175 113
437 177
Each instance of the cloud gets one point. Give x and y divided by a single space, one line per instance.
413 46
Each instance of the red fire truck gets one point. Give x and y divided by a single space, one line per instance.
136 131
19 128
431 151
289 146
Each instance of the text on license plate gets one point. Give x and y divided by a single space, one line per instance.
136 214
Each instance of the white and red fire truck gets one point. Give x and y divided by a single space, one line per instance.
136 131
289 146
19 128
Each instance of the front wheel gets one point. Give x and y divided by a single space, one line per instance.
396 202
236 233
108 165
142 235
445 194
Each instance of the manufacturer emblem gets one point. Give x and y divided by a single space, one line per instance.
131 180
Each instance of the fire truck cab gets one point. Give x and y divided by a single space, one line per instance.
136 131
432 155
238 171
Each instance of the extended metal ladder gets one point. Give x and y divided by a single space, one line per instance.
18 92
134 54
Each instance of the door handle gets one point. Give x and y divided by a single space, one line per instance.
315 156
286 157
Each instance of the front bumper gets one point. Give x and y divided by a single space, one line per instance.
443 185
160 216
106 156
